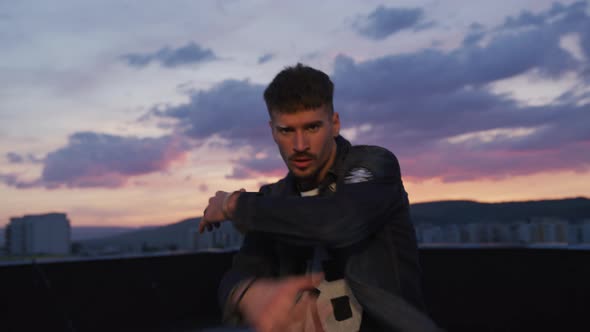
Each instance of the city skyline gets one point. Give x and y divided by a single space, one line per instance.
134 114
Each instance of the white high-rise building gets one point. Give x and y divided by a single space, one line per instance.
431 234
500 233
39 234
574 232
552 230
452 234
471 233
487 232
525 233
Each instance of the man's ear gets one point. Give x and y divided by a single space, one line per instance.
335 124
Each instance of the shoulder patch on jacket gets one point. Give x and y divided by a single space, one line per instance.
378 161
357 175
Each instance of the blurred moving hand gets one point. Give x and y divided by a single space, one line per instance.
272 305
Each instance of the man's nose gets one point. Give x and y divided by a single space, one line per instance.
301 142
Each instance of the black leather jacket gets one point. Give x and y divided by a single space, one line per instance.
361 216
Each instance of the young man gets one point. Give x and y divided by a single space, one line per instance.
330 247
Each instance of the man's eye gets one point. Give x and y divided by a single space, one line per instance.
313 128
284 130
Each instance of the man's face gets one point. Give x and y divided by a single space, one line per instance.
306 140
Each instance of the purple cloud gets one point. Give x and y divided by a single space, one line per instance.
191 53
232 110
384 22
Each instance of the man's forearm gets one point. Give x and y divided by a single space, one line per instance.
343 219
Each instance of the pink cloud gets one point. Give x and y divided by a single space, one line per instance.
102 160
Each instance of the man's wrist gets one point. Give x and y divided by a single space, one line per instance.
229 205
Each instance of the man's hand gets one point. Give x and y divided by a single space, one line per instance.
221 207
273 305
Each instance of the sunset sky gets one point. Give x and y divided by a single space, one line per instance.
134 112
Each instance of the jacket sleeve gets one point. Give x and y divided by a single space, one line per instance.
370 194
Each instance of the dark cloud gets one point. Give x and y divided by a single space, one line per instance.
15 158
12 180
435 72
525 19
232 110
474 35
191 53
384 22
528 19
265 58
102 160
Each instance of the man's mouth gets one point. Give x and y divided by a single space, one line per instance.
301 162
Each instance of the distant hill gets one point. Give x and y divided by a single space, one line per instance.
460 212
174 236
80 233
